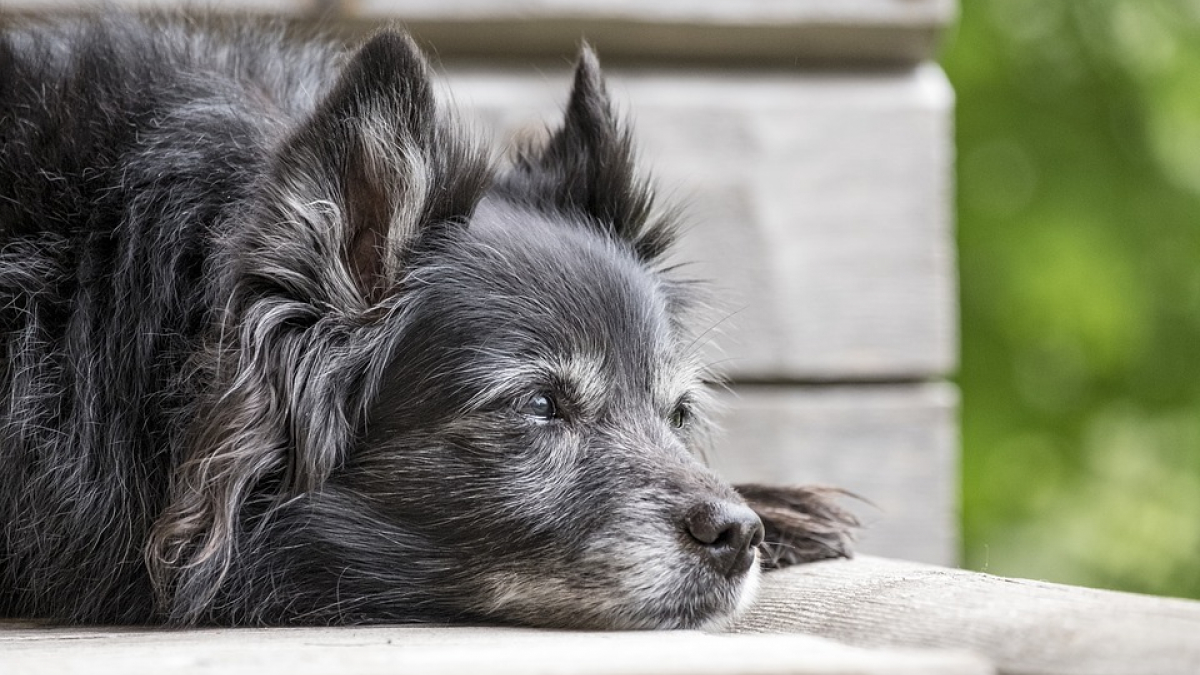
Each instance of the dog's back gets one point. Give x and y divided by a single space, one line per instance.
122 147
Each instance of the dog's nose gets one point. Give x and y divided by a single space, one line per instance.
728 534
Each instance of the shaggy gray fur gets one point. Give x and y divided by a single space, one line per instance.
281 346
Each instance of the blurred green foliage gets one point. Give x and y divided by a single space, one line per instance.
1079 239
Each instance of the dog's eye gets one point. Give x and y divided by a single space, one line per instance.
540 406
679 416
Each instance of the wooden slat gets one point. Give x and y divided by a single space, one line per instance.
432 650
730 30
1024 627
726 31
896 446
728 12
818 204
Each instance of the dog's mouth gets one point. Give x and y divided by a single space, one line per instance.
710 608
640 590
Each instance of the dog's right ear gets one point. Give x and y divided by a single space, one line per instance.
588 168
369 174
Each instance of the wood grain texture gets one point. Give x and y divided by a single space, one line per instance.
732 30
818 206
431 650
728 12
1024 627
895 446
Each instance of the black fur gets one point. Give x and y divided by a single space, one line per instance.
278 341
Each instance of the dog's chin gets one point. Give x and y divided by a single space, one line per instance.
714 610
696 600
708 604
747 594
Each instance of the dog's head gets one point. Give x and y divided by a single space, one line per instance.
443 392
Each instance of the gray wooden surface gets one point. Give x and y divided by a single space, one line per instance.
436 650
864 616
1023 627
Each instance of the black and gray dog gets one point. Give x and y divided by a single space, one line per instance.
281 345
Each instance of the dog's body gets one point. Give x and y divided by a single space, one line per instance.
282 346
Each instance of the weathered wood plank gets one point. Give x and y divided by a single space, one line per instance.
759 30
896 446
818 205
739 30
1024 627
729 12
451 651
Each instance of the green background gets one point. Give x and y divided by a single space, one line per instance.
1079 241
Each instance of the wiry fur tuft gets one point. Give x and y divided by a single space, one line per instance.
802 523
281 346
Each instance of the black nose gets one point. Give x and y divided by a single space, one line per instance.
727 533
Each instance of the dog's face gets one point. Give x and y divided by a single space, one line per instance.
536 427
450 393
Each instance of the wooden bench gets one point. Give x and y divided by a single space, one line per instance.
868 616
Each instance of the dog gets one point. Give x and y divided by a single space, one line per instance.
283 344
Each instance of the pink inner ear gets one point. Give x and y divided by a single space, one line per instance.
368 216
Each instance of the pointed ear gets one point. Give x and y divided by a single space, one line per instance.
374 168
802 524
587 168
365 178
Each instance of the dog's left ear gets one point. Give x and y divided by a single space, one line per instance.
374 170
347 197
587 168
